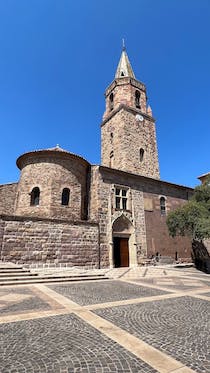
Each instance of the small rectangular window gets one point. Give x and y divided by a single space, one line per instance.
118 202
162 205
124 192
124 203
117 192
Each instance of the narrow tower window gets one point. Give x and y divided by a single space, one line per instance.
111 159
137 99
65 197
162 205
111 101
35 194
141 154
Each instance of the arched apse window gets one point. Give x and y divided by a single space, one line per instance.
35 195
162 205
141 154
65 197
111 101
137 99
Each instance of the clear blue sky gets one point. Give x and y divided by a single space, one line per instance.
58 56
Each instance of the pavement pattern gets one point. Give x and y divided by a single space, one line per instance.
134 325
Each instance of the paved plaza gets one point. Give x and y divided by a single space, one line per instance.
153 324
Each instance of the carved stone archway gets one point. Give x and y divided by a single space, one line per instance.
122 229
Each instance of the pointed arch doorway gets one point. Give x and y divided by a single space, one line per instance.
122 233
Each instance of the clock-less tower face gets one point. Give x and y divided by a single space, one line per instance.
128 133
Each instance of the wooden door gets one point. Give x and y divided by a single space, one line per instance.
124 254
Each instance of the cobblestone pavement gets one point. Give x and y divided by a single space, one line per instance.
63 344
114 326
177 326
107 291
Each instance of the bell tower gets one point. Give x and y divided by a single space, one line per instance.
128 134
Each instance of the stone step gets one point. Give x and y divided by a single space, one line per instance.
17 274
45 279
15 269
49 276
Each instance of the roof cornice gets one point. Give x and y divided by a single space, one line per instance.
124 81
140 177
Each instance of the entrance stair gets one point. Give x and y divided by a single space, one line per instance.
11 274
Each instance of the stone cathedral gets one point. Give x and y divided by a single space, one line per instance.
65 210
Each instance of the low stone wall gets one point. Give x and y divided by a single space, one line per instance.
33 240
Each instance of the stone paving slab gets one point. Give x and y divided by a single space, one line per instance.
196 274
178 327
63 344
106 291
206 294
175 283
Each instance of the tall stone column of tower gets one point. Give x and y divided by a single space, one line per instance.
128 132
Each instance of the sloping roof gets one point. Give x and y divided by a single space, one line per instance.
124 68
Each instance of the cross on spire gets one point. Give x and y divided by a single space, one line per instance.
123 44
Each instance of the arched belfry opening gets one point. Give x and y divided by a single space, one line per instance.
123 242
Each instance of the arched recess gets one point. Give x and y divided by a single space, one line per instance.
123 247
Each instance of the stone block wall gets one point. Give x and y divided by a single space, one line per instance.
150 230
8 194
158 239
51 172
123 135
100 210
36 240
106 180
1 236
123 90
94 202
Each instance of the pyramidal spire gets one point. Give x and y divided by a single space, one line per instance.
124 68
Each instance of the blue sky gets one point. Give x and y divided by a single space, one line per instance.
58 56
